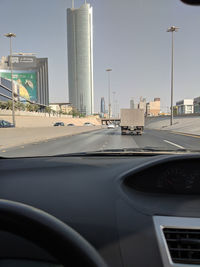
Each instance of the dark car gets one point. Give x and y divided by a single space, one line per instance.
5 124
70 124
59 124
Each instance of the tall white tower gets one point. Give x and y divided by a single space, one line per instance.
80 57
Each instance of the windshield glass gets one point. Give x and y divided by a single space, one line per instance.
81 76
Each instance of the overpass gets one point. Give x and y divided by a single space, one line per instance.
106 121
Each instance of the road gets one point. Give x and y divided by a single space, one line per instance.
105 139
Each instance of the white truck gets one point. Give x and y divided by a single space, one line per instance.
132 121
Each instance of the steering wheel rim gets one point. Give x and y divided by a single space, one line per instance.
57 238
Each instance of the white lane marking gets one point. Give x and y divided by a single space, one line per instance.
173 144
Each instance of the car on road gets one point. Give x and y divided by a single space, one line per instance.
111 126
5 124
70 124
88 124
59 123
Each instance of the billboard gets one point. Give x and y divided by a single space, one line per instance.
20 61
25 83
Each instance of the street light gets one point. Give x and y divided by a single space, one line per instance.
109 105
172 29
10 35
114 107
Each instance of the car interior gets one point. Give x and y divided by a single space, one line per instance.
100 210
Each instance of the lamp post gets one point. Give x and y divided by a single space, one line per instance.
10 35
172 29
109 105
114 106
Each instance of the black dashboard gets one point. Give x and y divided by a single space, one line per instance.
175 177
110 201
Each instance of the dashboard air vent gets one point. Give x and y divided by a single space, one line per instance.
183 245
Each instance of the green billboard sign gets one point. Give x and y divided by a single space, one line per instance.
25 84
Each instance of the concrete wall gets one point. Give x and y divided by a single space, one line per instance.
4 112
38 121
185 124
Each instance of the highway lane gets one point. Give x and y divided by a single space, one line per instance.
105 139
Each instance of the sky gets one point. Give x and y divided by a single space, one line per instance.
129 36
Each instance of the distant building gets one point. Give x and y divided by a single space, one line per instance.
5 90
80 58
142 104
132 106
102 105
197 105
64 107
153 107
175 110
185 106
111 111
30 78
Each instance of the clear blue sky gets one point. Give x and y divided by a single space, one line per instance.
129 36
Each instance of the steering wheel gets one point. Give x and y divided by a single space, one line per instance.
62 242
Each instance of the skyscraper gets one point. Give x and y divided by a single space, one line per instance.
132 103
80 57
142 103
102 105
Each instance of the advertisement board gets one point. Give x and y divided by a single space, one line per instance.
20 61
25 83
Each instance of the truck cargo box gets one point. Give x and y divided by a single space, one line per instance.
132 117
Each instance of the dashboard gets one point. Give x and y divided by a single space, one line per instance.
110 201
176 177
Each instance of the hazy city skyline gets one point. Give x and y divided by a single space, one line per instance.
129 36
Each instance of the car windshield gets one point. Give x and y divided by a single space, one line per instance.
124 74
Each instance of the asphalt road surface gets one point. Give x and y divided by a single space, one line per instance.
106 139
